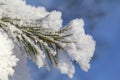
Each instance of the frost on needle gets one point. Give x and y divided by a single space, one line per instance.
40 35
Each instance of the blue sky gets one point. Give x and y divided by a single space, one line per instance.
102 21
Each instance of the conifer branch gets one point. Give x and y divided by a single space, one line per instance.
35 35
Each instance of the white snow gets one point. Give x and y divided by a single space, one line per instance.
7 59
65 65
52 21
83 50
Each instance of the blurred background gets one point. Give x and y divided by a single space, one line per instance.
102 21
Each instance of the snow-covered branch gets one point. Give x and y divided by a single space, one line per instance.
42 37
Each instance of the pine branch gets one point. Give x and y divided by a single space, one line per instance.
33 36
